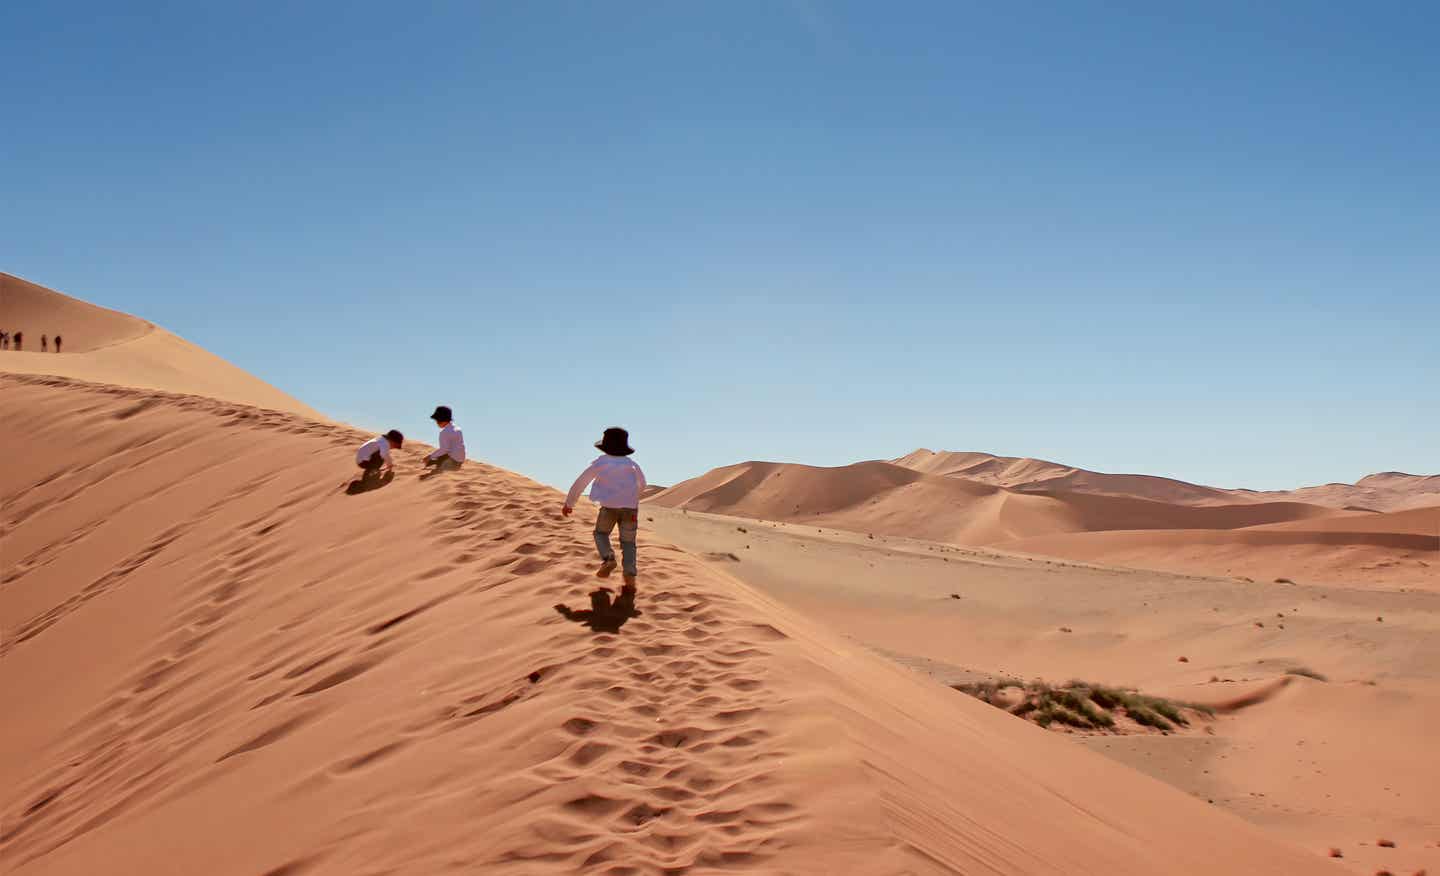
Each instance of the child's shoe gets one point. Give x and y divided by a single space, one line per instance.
629 578
606 568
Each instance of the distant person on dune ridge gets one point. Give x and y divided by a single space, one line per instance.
619 483
44 343
19 340
450 455
57 343
373 457
4 341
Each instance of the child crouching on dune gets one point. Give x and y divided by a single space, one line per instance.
618 485
373 457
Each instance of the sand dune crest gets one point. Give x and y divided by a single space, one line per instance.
106 346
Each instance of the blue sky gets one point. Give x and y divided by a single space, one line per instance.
1199 240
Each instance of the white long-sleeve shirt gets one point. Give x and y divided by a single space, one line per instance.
452 444
369 448
618 483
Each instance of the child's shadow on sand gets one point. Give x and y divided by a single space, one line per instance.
604 616
365 485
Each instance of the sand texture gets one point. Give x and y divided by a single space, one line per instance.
1329 693
227 664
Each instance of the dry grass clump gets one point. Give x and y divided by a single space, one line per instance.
1081 704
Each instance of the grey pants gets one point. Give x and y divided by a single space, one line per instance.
443 463
629 520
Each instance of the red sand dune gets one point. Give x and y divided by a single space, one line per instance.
1037 474
1415 521
881 497
1386 491
226 665
935 496
110 347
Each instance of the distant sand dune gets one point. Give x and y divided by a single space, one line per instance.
110 347
1037 474
1386 491
881 497
932 496
1309 551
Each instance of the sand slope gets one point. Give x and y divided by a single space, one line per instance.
1337 763
880 497
228 665
111 347
1398 548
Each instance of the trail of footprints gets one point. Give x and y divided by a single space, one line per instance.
668 731
665 762
677 735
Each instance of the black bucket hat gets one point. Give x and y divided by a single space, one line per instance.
394 435
616 442
442 415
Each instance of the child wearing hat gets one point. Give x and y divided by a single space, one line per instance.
619 482
373 457
451 452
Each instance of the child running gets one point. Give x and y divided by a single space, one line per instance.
618 485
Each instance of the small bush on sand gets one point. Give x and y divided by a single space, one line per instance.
1080 704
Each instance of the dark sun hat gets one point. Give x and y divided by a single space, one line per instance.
616 442
442 415
394 435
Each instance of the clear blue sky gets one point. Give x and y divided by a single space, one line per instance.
1199 240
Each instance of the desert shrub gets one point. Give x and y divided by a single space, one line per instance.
1084 705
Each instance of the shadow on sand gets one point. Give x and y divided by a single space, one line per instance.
366 484
604 616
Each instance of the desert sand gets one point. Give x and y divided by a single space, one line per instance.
229 665
223 661
1338 763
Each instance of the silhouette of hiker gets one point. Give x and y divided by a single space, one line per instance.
4 341
603 616
44 343
19 340
57 343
